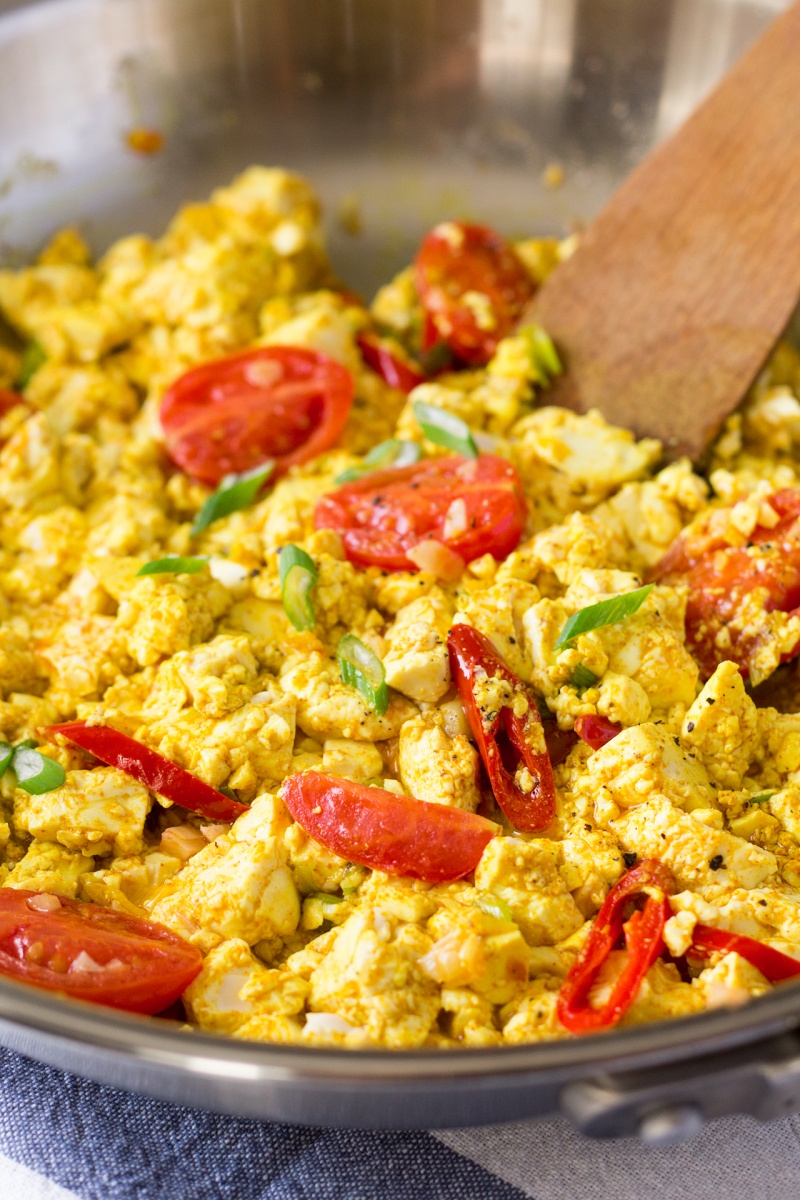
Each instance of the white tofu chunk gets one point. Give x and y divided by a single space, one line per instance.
94 811
657 829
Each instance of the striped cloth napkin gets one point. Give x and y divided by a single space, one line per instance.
63 1138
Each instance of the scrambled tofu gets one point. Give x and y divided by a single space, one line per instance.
204 666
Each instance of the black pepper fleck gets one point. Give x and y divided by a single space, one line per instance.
677 741
629 859
710 700
690 726
716 862
513 641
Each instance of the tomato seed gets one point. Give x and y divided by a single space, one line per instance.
35 952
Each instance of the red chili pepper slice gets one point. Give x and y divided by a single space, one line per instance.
505 741
773 964
151 769
596 731
643 932
377 829
389 366
135 964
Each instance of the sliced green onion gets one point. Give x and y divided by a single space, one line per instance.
326 898
445 429
173 564
234 493
392 453
363 670
582 677
607 612
760 798
6 753
493 906
544 355
229 792
298 576
36 773
33 357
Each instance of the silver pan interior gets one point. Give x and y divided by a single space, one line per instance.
413 110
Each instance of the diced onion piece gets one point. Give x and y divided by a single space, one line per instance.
455 520
182 841
321 1024
212 832
45 902
432 555
85 962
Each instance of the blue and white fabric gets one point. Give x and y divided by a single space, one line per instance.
64 1138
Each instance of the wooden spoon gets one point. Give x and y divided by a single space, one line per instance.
682 285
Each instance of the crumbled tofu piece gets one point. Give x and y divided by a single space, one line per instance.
49 867
329 708
526 877
94 811
232 889
697 854
417 662
353 760
722 727
436 766
643 762
371 977
234 986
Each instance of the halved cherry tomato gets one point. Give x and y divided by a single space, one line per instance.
127 962
388 365
151 769
773 964
723 578
643 936
277 402
472 506
473 287
596 731
377 829
506 741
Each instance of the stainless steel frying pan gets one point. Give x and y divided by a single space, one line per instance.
404 111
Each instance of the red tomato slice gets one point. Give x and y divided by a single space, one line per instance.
132 964
387 513
276 402
721 577
377 829
506 742
473 287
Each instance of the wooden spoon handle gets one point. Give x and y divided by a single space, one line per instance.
681 286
